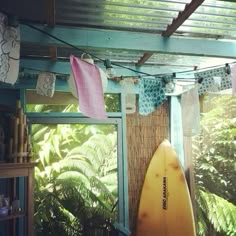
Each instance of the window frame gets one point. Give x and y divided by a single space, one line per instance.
117 118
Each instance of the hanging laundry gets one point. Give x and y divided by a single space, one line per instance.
209 81
46 84
71 81
176 126
190 112
168 84
128 89
89 88
9 51
151 95
233 78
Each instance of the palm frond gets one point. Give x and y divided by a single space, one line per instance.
220 213
72 177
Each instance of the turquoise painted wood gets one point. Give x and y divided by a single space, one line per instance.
8 97
124 163
85 38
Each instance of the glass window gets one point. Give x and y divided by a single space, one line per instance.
76 184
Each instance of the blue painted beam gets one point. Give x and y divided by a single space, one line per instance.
63 67
91 38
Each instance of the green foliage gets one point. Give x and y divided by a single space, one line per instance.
214 152
220 212
76 178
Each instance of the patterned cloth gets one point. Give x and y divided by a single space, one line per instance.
9 51
233 78
151 95
211 83
46 84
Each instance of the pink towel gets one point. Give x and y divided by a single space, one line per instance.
233 76
89 88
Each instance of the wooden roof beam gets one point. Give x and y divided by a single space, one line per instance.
50 9
182 17
144 58
53 53
176 23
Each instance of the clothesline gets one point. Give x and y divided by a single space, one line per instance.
119 65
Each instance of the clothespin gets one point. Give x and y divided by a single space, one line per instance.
200 80
227 69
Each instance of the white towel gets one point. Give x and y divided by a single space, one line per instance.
128 88
190 112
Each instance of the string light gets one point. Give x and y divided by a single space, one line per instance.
109 69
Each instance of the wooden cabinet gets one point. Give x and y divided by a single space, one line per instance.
11 172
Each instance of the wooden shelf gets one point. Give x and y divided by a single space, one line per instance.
8 165
12 216
13 171
9 170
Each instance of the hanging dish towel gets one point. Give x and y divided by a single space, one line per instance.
89 88
9 51
151 95
210 83
46 84
71 81
190 112
233 78
128 89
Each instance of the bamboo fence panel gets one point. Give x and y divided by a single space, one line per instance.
144 134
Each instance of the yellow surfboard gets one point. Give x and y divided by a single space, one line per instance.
165 207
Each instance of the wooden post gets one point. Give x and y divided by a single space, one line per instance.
15 138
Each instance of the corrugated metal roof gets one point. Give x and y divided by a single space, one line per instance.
212 19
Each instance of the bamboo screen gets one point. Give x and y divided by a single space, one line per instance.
144 134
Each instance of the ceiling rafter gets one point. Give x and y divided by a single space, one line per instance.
53 53
182 17
144 58
50 9
176 23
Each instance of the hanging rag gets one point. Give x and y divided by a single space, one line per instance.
89 88
9 51
151 94
128 89
168 84
233 78
176 126
190 112
46 84
210 83
71 81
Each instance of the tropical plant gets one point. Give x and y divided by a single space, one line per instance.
214 151
76 176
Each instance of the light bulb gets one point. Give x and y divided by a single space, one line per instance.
110 72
